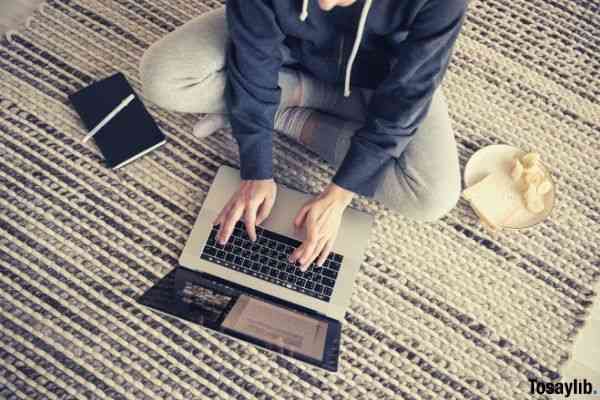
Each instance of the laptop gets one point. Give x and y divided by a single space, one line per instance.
249 291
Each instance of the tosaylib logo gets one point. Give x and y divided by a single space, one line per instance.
565 388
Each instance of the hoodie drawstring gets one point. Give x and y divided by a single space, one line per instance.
357 40
304 14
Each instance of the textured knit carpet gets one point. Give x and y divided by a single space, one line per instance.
441 310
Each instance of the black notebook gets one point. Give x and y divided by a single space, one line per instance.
130 134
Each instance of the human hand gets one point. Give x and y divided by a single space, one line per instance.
253 201
320 218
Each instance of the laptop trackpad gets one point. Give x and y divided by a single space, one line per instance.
281 327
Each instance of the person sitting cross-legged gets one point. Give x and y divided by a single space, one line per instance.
356 81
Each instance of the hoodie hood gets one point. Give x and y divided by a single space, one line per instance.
357 39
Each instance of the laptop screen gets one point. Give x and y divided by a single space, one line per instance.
278 326
247 315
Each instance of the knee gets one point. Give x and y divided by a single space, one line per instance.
433 203
169 82
428 200
154 75
429 171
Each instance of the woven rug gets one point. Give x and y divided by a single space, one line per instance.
441 310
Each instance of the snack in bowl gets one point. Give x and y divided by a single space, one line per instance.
544 187
530 160
517 170
533 200
495 198
536 184
515 191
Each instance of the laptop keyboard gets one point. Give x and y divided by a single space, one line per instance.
267 259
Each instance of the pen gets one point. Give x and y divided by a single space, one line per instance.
110 116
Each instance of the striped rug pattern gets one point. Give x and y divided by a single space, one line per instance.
441 310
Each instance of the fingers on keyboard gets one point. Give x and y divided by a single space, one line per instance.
266 259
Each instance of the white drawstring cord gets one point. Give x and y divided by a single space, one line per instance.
359 34
304 13
357 40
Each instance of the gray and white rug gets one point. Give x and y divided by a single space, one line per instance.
440 311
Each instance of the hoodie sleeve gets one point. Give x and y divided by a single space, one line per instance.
402 100
252 93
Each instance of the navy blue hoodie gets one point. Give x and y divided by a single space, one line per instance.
404 52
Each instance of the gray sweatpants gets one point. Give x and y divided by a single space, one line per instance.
185 72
